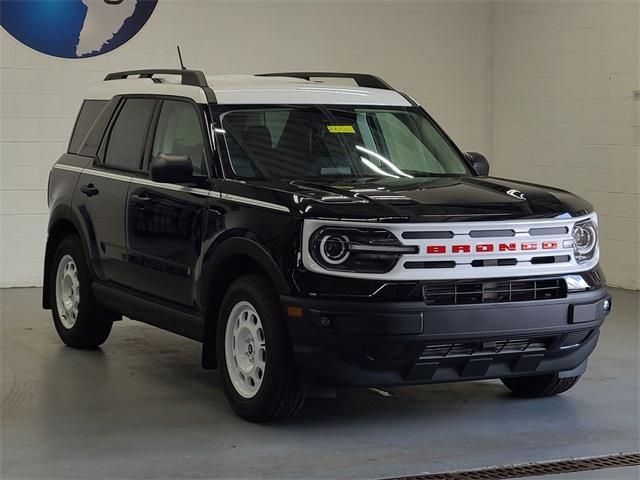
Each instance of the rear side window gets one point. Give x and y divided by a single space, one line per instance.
89 111
92 141
129 134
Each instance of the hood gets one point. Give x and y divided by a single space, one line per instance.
436 199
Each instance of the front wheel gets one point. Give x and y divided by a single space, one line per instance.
540 385
79 321
254 353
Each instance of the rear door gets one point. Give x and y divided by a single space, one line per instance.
101 193
165 220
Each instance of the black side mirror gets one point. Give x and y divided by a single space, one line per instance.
478 163
171 168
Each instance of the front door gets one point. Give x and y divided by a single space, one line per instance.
165 220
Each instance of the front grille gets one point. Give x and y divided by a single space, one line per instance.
518 345
467 250
462 293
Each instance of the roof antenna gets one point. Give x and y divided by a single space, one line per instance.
180 57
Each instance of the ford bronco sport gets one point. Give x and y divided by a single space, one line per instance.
314 236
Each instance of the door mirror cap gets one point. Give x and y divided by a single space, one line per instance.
171 168
478 163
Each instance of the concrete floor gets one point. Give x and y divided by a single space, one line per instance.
142 407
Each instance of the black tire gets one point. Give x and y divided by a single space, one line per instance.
279 396
92 324
540 385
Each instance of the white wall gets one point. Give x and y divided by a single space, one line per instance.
434 50
563 112
544 88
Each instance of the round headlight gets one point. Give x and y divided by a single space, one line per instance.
334 249
585 240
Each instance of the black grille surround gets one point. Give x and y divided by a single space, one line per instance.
493 291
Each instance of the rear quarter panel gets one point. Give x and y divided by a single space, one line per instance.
62 182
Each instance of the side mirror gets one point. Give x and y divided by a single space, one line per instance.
171 168
478 163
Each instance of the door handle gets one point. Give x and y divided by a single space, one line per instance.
144 198
89 190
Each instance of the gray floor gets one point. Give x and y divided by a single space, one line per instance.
142 407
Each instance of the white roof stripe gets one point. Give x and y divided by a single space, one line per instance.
250 89
108 89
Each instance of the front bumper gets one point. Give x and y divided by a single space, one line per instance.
356 343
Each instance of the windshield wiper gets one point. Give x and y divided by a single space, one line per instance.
418 173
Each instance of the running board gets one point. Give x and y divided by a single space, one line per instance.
161 315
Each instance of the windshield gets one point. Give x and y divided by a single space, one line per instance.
336 141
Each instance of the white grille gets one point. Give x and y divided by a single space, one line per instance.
491 262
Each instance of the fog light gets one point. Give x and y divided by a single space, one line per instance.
606 306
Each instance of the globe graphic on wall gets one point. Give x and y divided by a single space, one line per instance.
74 28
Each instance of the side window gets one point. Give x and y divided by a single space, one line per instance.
89 111
129 134
92 141
179 132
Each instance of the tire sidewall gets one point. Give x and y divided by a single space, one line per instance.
71 246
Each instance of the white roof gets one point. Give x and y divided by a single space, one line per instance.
251 89
107 89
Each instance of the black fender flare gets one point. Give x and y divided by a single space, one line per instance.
211 276
61 211
240 246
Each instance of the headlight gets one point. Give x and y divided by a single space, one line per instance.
366 250
334 249
585 240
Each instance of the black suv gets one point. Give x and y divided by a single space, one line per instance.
314 236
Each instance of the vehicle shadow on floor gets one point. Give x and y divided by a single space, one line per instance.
136 365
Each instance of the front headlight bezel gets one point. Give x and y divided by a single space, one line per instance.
368 250
585 230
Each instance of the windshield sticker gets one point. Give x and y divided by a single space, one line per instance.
341 129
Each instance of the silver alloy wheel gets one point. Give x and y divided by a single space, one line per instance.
245 349
67 291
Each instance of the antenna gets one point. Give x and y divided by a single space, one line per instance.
180 58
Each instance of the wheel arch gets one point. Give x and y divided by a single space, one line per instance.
61 225
233 258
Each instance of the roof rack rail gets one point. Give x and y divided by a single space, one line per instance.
189 77
361 79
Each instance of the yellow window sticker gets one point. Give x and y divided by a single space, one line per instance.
341 128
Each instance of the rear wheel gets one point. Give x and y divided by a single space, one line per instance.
254 353
79 321
540 385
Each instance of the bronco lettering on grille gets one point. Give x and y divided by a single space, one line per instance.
491 247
